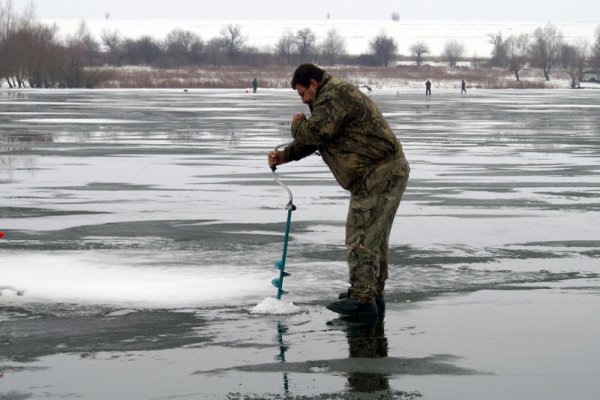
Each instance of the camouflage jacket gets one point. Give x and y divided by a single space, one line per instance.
348 131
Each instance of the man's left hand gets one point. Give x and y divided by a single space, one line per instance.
298 117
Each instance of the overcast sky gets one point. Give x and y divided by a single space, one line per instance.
482 10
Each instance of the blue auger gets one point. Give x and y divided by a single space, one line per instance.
280 264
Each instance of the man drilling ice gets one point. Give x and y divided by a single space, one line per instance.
349 132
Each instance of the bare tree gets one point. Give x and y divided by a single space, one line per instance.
215 51
84 43
383 48
418 50
183 41
498 58
516 53
306 44
453 52
233 40
145 51
41 60
28 18
332 47
595 56
45 65
183 47
285 46
27 48
572 60
545 48
7 27
81 49
113 42
395 17
33 56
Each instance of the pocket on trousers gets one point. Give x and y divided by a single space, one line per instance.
362 212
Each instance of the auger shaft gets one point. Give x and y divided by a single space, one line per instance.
280 264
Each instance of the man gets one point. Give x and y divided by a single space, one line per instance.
463 87
364 155
428 88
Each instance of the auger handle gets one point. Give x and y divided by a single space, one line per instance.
290 204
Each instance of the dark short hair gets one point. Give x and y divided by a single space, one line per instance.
304 73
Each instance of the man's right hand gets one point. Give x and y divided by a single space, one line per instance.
276 158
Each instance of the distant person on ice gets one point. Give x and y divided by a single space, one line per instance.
427 88
463 87
366 158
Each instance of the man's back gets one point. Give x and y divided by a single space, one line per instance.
353 136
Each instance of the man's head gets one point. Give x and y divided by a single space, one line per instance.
306 82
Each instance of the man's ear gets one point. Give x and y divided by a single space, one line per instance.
313 83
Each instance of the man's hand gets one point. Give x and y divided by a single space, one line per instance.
276 158
298 117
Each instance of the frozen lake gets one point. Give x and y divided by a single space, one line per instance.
157 206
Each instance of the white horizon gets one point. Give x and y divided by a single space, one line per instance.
481 10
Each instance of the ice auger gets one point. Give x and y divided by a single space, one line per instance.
280 264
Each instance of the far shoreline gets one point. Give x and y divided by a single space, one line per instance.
399 77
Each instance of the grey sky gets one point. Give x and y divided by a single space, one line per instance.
482 10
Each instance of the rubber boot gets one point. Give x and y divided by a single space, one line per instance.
353 308
379 300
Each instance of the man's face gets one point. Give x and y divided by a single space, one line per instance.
308 94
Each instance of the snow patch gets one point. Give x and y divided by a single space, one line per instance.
121 313
271 305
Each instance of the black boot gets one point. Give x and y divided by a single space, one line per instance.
379 300
353 308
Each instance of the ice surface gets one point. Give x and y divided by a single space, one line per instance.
182 210
147 249
78 121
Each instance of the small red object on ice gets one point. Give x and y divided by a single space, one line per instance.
1 234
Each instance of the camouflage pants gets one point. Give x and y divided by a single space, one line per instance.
370 218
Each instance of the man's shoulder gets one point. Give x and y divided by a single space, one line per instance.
337 88
339 83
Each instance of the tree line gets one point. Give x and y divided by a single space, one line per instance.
32 54
547 50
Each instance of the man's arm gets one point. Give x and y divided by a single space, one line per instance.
293 152
324 124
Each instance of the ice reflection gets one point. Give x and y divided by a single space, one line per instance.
283 348
367 340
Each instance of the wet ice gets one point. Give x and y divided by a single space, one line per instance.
187 193
144 248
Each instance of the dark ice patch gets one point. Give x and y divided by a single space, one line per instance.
26 339
433 365
27 212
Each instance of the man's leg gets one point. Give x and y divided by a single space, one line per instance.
370 217
368 227
384 247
